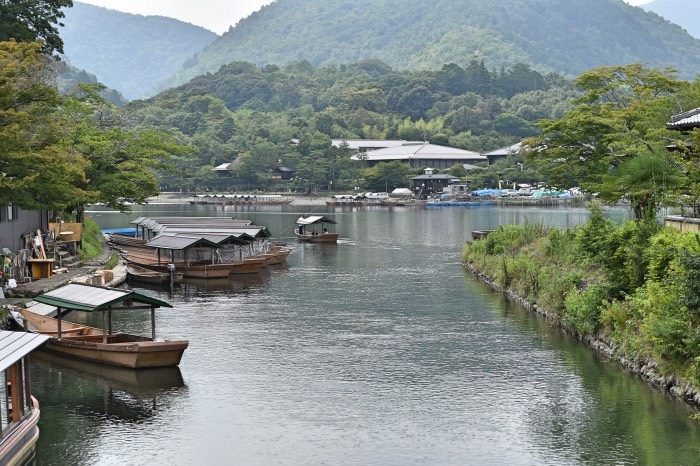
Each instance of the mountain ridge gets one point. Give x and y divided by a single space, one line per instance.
685 13
128 52
566 36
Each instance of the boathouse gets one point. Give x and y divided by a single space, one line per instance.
430 183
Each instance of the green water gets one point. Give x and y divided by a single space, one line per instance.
379 350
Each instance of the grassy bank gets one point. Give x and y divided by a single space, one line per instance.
635 285
92 241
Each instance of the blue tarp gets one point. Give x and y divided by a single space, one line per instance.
130 231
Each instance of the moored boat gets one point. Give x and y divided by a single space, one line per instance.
313 230
18 424
102 345
154 277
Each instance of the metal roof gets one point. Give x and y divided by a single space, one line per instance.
16 345
420 151
218 238
180 243
77 297
435 177
505 151
357 144
314 220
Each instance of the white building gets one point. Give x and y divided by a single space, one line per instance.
422 154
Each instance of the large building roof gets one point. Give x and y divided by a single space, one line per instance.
360 144
421 151
685 121
506 151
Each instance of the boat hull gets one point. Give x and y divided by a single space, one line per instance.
321 238
133 355
153 277
19 445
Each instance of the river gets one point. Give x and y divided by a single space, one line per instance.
379 350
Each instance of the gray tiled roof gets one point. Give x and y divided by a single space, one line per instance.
421 151
685 120
16 345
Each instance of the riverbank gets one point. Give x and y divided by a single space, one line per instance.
647 323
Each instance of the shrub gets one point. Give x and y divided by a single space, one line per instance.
91 241
582 309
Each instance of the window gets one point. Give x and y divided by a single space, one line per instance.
9 213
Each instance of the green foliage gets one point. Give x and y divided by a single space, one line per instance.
614 140
33 20
582 308
229 115
419 35
91 242
634 283
388 176
112 262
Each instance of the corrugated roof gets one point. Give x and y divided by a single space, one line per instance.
16 345
179 243
313 220
420 151
77 297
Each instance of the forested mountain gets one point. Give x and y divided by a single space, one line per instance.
70 78
130 53
249 114
685 13
566 36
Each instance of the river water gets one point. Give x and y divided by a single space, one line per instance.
379 350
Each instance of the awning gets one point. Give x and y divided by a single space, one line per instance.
16 345
314 220
180 243
76 297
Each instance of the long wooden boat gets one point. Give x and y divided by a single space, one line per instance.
121 349
18 447
317 238
223 270
143 275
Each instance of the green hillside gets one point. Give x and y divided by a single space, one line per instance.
685 13
566 36
130 53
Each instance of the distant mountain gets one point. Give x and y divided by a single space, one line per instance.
70 78
685 13
130 53
561 35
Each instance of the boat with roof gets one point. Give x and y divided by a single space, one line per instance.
101 345
314 229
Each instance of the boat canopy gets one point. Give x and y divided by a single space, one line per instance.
16 345
77 297
315 220
180 243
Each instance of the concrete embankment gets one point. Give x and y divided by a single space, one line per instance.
646 369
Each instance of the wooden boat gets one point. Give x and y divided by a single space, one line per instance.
313 230
153 277
279 254
121 349
223 270
102 345
20 410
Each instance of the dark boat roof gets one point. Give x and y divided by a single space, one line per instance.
78 297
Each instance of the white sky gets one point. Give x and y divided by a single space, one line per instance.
216 15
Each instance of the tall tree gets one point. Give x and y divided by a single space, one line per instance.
37 168
620 117
32 20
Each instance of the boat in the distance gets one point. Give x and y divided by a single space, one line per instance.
140 274
314 229
101 345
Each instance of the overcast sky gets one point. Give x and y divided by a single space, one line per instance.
216 15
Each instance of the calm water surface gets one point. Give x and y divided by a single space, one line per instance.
380 350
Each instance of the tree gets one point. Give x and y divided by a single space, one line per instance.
620 117
645 180
38 169
388 175
33 20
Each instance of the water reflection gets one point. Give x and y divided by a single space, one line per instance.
79 399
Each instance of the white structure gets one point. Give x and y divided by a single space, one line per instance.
356 146
422 154
502 153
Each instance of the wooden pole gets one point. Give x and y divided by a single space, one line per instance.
58 314
109 320
153 323
15 397
104 326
